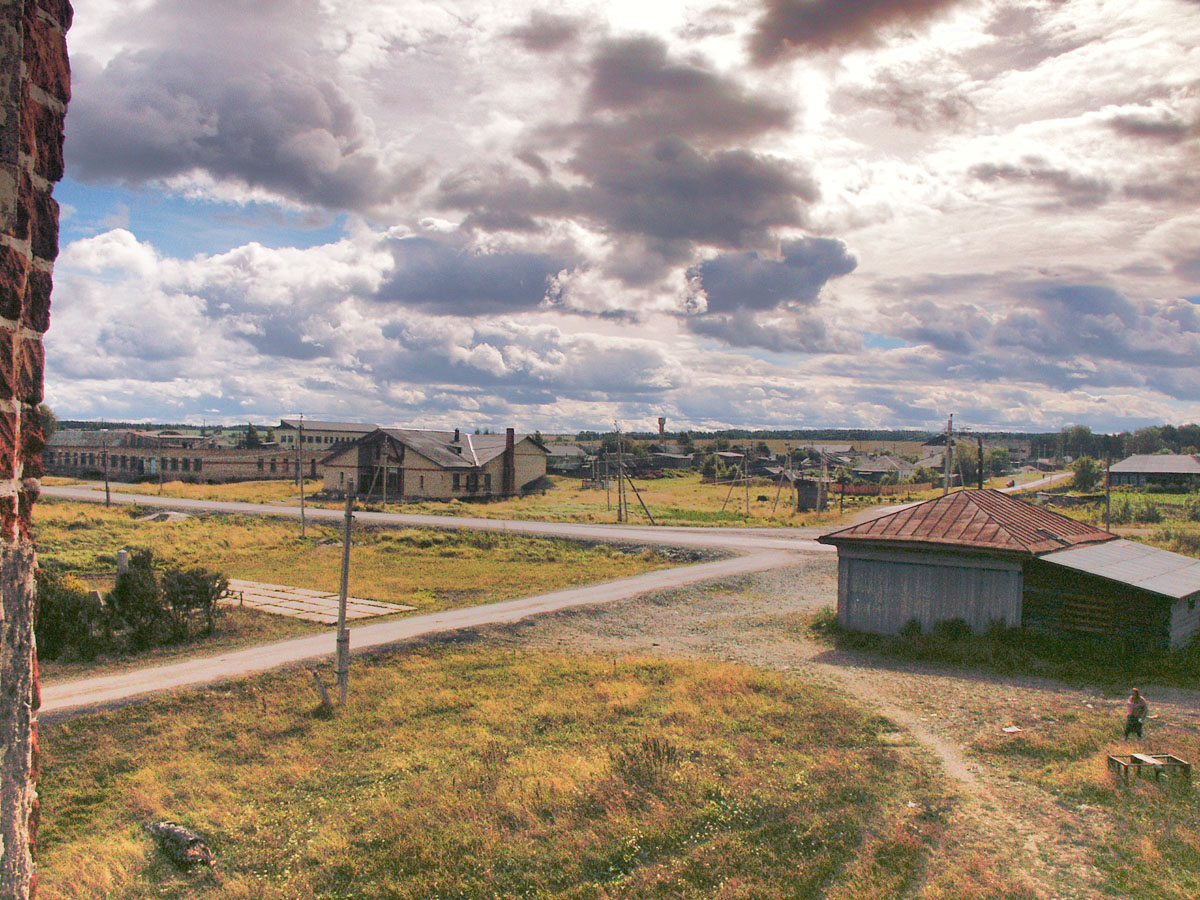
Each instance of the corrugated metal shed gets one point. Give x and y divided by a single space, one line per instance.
1149 568
985 520
1158 464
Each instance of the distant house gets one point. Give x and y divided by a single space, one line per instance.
876 467
1142 470
985 557
563 459
408 464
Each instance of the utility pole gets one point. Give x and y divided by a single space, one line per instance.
979 438
107 496
300 471
621 508
948 456
746 472
343 636
1107 491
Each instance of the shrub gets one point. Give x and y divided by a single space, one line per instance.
911 629
189 594
1147 512
136 602
647 762
70 617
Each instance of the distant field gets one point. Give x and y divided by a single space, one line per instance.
423 568
486 773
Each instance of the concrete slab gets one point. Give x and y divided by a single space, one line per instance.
305 603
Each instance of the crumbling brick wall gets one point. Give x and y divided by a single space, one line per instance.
35 85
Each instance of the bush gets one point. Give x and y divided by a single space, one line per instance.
1147 512
70 618
189 594
136 602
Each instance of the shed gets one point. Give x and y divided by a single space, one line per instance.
959 556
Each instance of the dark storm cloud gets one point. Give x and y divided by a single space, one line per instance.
546 32
1179 188
790 26
655 155
1073 189
747 281
447 278
259 112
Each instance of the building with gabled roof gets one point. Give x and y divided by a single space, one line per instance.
1143 469
413 464
985 557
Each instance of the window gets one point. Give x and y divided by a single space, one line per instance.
422 482
487 481
341 477
272 464
457 483
196 464
260 464
174 463
186 464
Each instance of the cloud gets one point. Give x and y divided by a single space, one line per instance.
272 117
1073 189
546 32
447 277
787 333
748 281
792 26
1160 126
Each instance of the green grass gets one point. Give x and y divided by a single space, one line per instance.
478 773
427 568
1154 849
1013 651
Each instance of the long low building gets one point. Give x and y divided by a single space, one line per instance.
1165 469
405 464
986 558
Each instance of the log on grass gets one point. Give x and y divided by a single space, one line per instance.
182 846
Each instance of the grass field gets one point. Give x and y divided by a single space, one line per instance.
483 773
425 568
674 500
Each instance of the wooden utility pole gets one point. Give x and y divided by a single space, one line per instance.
980 439
622 509
300 471
746 472
638 494
948 456
107 496
343 635
1107 491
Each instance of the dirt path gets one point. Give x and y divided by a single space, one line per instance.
1038 844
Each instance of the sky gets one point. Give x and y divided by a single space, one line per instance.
734 214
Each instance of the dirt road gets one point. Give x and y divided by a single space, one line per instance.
58 699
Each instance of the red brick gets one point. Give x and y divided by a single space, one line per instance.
8 443
27 496
25 208
46 56
59 10
35 312
7 378
13 281
43 229
35 702
30 359
42 137
8 516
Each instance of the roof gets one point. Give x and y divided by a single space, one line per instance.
1149 568
472 450
1159 464
985 520
318 425
565 450
884 464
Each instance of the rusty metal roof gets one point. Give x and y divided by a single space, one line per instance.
985 520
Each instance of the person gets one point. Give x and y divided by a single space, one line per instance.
1137 714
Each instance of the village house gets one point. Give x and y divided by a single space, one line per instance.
984 557
319 436
1163 469
406 464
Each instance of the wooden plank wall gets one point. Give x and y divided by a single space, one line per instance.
881 591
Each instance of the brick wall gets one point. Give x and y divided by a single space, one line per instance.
35 85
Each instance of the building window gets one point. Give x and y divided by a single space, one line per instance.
272 465
260 464
422 482
487 481
457 482
174 464
187 464
341 477
196 464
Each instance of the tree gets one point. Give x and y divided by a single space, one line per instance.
135 601
1087 473
684 440
997 461
48 419
537 437
251 441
